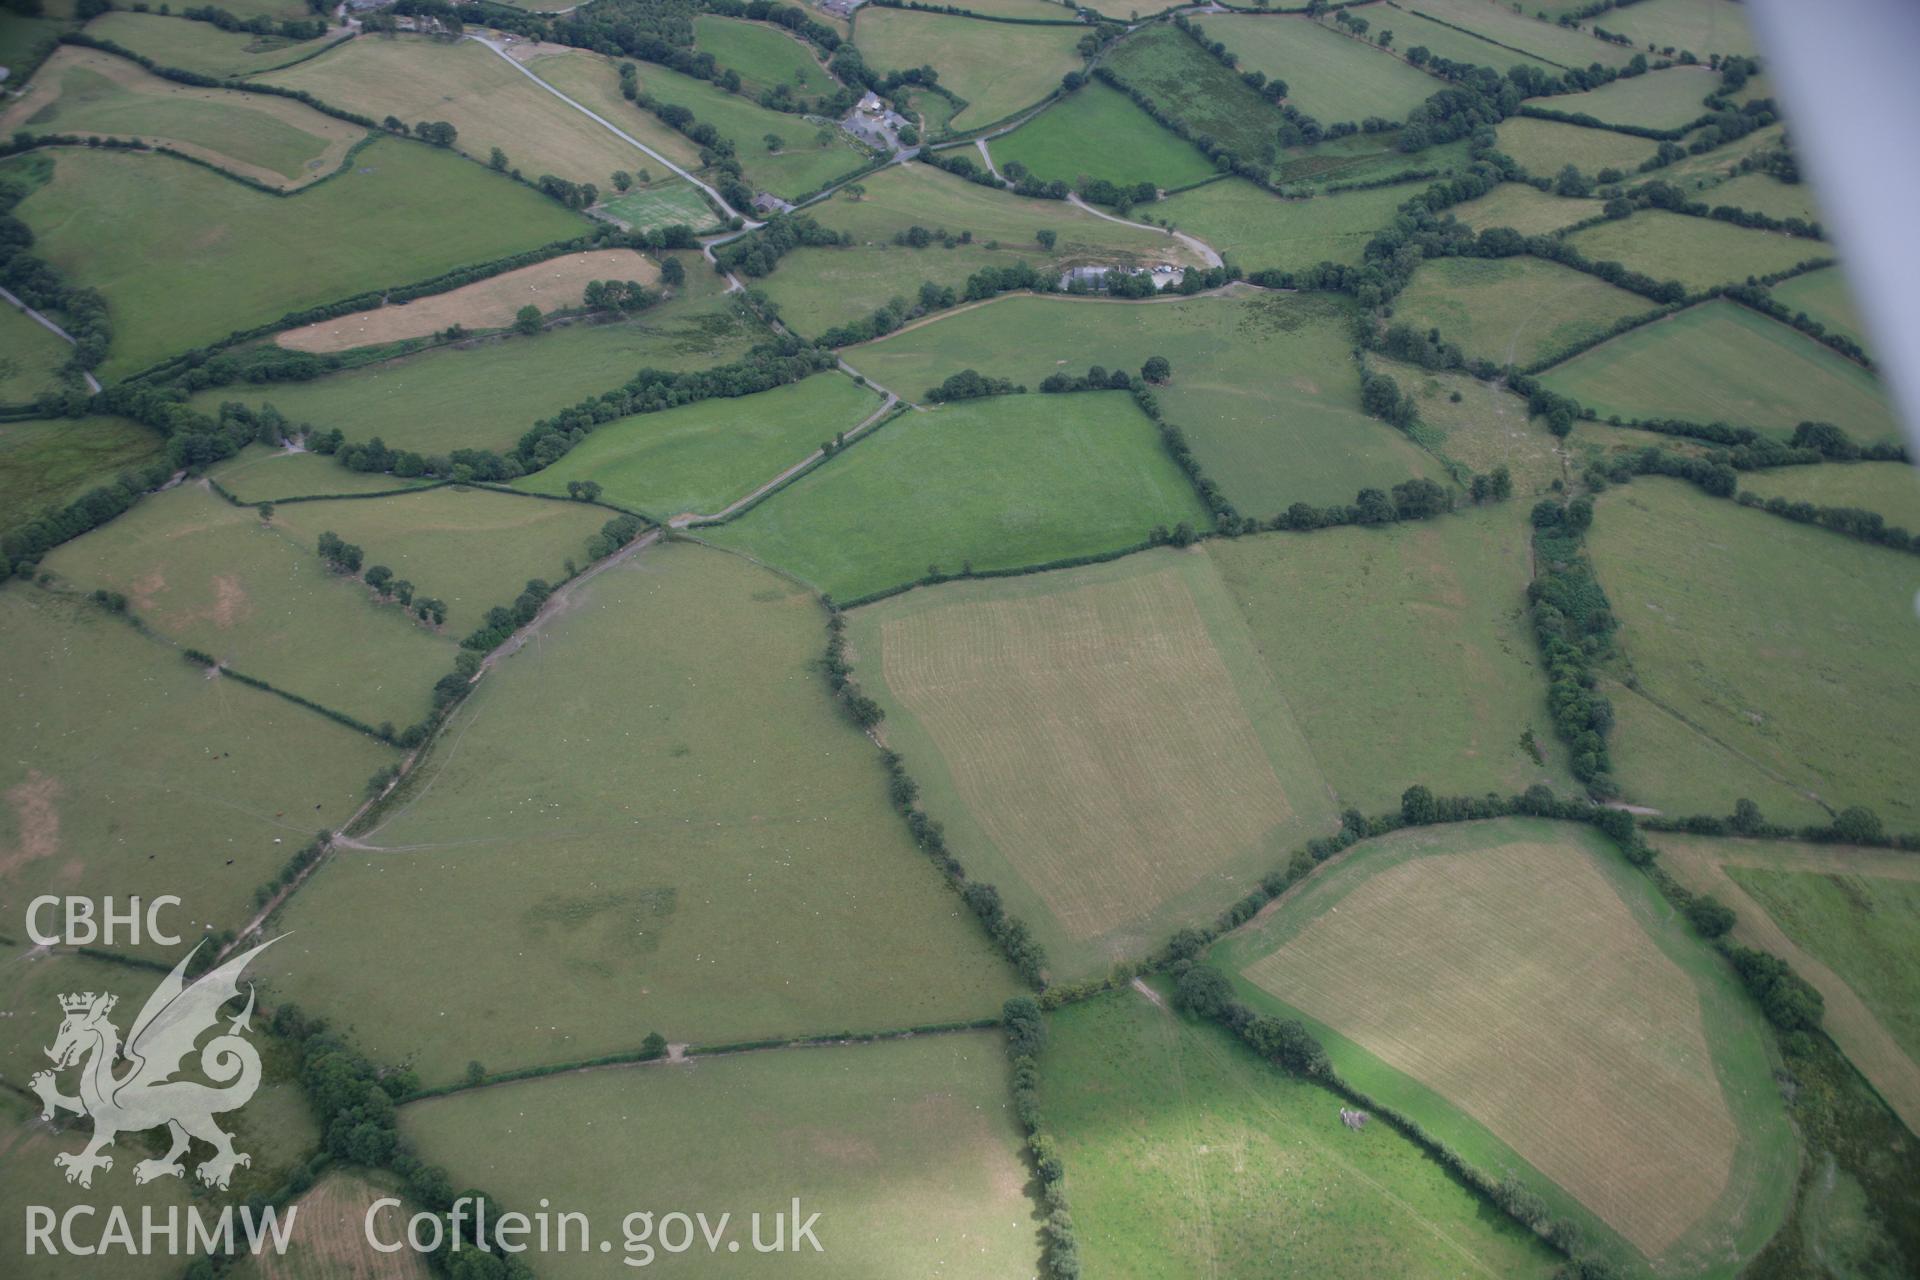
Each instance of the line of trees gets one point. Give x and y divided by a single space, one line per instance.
1573 624
40 285
1010 933
1026 1031
971 384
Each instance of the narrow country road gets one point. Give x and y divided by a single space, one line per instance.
1198 245
614 129
93 383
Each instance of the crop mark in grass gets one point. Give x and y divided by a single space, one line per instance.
1092 732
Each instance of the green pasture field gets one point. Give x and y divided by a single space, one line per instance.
1497 22
1190 1156
594 82
1662 757
273 140
1890 488
201 46
1866 927
908 1150
1524 208
1825 297
819 288
701 457
1480 425
1411 31
1719 362
1101 743
488 101
259 474
1264 385
1099 133
1698 252
999 68
1405 652
1700 27
996 483
655 806
387 220
1532 1002
129 771
645 209
1258 230
469 547
1763 193
763 54
1189 85
1544 147
210 576
1669 99
1330 76
486 393
1513 311
47 462
31 357
1785 644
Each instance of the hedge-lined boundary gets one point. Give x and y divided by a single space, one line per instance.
1484 39
1008 932
1586 121
1752 297
24 141
956 11
650 1053
208 661
1026 1033
900 409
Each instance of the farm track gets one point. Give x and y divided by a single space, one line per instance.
93 383
1194 243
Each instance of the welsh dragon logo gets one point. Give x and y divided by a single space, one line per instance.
145 1095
